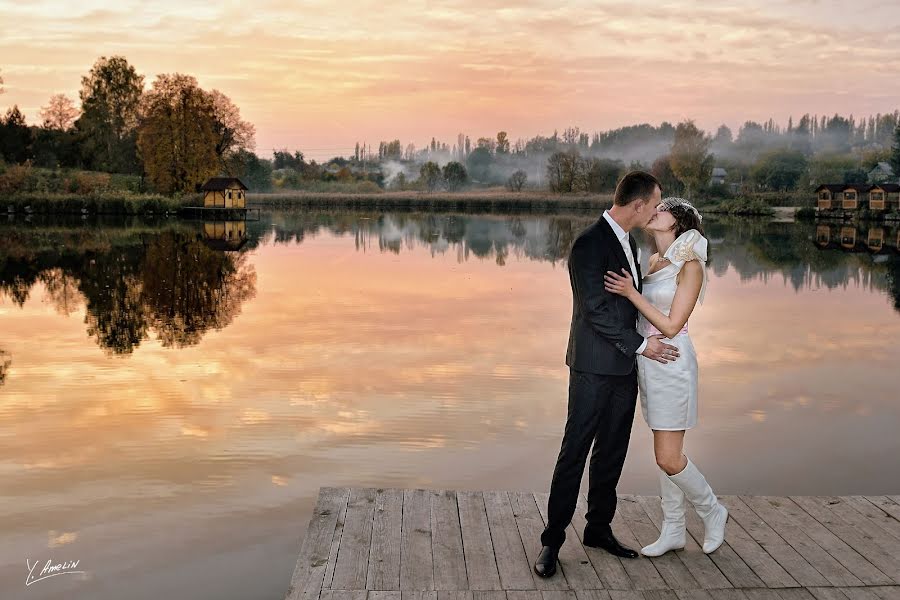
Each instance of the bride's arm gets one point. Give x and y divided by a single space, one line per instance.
686 294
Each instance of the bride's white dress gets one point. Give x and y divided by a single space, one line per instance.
669 391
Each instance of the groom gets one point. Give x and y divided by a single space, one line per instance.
602 356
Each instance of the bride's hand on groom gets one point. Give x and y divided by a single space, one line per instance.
623 285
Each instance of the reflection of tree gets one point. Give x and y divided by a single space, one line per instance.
189 288
5 361
168 281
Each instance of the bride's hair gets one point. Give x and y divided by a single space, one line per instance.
685 219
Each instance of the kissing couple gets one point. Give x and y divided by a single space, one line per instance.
629 334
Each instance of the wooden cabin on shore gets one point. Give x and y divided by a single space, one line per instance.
884 196
828 195
224 192
878 198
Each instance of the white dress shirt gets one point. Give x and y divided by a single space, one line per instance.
626 246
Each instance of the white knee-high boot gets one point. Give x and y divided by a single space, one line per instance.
714 514
671 532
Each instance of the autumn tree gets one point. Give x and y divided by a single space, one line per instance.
177 134
60 113
690 158
233 134
502 143
110 97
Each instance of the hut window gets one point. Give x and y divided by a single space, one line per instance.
823 195
877 196
229 194
849 195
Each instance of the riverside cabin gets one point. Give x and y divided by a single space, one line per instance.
884 196
828 195
224 192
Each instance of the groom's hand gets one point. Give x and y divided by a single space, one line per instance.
659 350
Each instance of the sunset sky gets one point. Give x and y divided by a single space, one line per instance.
319 76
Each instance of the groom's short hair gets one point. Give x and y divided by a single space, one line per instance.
635 185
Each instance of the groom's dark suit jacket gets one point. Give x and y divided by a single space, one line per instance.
602 337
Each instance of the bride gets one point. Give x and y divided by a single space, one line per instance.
675 281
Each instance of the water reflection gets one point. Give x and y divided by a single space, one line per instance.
172 282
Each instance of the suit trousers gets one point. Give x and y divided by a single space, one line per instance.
601 411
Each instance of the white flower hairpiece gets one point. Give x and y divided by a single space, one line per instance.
672 201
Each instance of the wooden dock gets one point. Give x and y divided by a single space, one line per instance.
401 544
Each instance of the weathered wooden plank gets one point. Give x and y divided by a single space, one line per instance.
660 595
728 594
782 513
384 556
875 514
625 594
699 564
871 549
887 592
806 547
776 562
842 508
794 594
669 566
592 595
573 560
344 595
523 595
726 558
827 593
382 595
335 545
488 595
416 557
761 594
558 595
608 567
446 542
353 555
309 572
643 573
888 505
693 595
530 524
481 566
860 593
512 564
454 595
417 595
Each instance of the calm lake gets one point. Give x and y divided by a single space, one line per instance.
169 409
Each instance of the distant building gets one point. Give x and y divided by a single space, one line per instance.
224 192
881 173
718 176
828 195
854 195
884 196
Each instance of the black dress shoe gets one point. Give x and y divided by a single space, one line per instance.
545 565
608 542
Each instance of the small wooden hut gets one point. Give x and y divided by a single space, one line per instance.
828 195
884 196
854 195
224 192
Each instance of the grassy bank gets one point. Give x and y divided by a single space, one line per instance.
105 203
